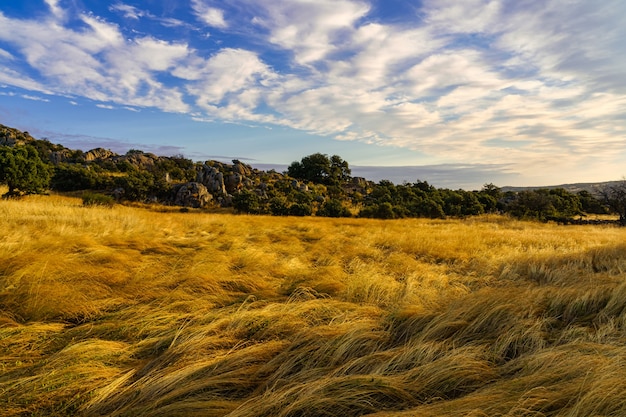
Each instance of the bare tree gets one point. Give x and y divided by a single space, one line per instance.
614 196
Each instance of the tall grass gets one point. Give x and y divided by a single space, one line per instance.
133 311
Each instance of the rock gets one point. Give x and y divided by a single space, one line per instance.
357 184
297 185
12 137
63 155
98 153
192 194
226 200
141 160
241 168
118 193
212 178
233 182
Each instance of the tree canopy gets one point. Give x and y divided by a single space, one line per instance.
23 171
614 196
321 169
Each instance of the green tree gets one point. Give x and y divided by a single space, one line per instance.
590 204
492 190
300 209
489 198
333 208
23 171
565 203
614 196
320 169
142 185
339 169
71 177
379 211
279 206
246 201
532 204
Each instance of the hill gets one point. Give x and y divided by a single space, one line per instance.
129 311
591 187
319 185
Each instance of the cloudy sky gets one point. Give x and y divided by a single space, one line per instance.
455 92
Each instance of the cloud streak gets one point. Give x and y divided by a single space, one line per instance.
536 86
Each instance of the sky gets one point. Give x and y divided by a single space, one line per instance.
458 93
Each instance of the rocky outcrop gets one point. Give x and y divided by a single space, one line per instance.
224 179
233 182
98 154
141 160
63 155
192 194
212 179
241 168
13 137
300 186
357 184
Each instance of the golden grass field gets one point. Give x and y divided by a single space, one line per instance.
131 311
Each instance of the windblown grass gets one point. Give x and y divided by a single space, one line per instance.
129 311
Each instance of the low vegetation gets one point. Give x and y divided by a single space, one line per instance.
139 311
318 184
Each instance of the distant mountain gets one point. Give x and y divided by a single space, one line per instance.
592 187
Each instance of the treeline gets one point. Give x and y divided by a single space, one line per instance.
423 200
316 185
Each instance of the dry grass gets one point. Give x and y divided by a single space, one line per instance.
132 311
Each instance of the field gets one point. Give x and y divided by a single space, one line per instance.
130 311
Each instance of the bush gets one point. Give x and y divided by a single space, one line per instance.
379 211
97 199
300 209
246 202
278 206
72 177
333 208
23 171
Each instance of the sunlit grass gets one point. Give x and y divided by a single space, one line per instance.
139 311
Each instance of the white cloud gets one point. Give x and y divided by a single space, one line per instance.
467 16
129 12
570 40
102 35
17 79
537 85
232 79
212 16
105 106
96 62
5 55
311 30
56 10
34 98
381 52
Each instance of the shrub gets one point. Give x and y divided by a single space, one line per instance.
333 208
72 177
23 171
278 206
97 199
246 202
300 209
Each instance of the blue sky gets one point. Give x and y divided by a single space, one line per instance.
457 93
